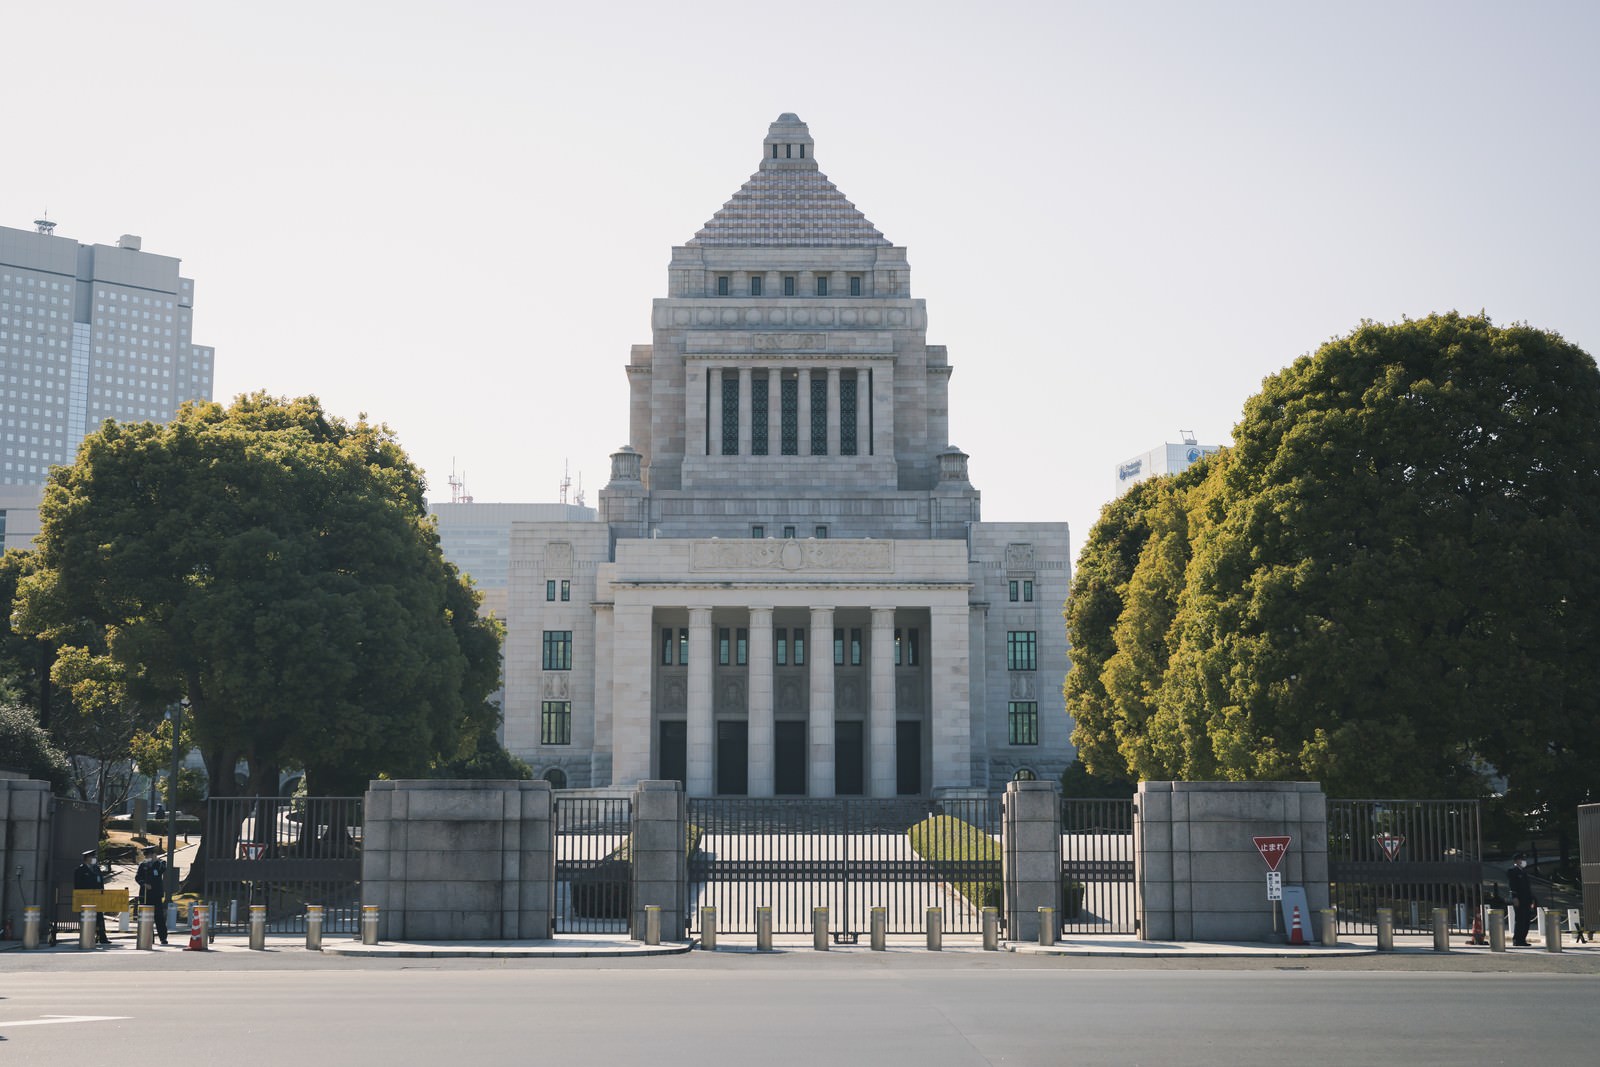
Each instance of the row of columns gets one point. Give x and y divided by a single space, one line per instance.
863 417
701 725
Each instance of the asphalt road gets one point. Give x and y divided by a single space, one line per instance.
830 1009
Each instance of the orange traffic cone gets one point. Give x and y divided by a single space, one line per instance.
197 928
1477 937
1297 936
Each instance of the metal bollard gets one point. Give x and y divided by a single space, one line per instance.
1047 927
30 926
708 929
652 924
1385 929
86 926
314 927
1441 929
146 938
763 929
880 930
819 929
1552 930
369 924
258 927
1497 930
172 915
991 929
208 916
935 929
233 913
1330 927
122 920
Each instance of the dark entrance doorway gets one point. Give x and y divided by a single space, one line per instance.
733 758
789 759
849 753
908 758
673 752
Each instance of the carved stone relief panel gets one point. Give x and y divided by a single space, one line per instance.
789 696
730 695
557 685
1019 557
558 557
1024 686
674 696
808 555
848 697
908 692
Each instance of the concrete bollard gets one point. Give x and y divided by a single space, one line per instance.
1441 929
991 929
708 929
258 927
763 929
880 930
1552 930
1497 930
86 925
1385 929
369 924
30 926
935 929
652 924
122 920
146 937
1330 927
314 927
819 929
1047 927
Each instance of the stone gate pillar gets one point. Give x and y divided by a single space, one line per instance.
660 861
1030 836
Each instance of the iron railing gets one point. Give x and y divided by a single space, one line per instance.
1408 855
1097 867
593 865
285 853
850 855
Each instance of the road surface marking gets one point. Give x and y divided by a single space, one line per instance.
46 1020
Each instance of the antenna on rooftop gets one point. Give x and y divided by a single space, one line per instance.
458 486
1188 437
43 224
566 479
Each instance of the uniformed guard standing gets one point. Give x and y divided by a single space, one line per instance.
89 876
152 879
1523 902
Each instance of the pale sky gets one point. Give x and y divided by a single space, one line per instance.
454 216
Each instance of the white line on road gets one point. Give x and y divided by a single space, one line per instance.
46 1020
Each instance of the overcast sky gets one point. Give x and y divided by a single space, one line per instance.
454 216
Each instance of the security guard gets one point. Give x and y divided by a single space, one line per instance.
152 879
88 875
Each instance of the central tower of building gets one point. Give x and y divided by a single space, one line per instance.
788 590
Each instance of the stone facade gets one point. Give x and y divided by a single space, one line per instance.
789 589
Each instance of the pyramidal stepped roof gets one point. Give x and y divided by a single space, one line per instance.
789 201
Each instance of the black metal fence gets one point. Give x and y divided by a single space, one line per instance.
1097 867
594 868
1408 855
904 854
283 852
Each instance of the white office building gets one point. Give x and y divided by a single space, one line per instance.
1166 459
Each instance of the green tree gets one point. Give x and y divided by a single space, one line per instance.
25 660
275 567
1392 583
26 746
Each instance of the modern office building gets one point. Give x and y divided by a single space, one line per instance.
1166 459
88 333
789 590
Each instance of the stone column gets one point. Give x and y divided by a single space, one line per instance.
714 412
883 707
822 766
1030 838
744 412
833 411
863 412
883 410
775 410
702 737
632 726
660 877
760 690
950 698
600 754
803 421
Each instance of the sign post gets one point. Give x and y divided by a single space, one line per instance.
1274 885
1273 849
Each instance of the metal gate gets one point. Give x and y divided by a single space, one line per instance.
1097 867
1408 855
594 870
74 828
284 852
850 855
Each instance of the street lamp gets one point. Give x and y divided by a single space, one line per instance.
176 711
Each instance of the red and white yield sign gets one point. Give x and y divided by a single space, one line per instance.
1390 844
251 850
1272 849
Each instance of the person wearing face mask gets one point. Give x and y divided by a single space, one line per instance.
1523 902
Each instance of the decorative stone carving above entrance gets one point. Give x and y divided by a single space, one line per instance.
789 342
1023 687
1019 557
809 555
558 557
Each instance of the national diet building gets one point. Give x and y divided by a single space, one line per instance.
788 589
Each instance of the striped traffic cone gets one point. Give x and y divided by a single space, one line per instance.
197 928
1297 936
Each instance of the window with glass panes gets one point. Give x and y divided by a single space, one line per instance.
566 590
780 637
741 647
1022 722
905 647
789 414
722 646
847 415
730 413
1022 650
555 722
819 415
558 650
799 646
838 648
758 414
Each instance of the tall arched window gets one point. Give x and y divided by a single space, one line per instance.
556 777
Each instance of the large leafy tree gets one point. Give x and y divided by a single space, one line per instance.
273 566
1392 584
